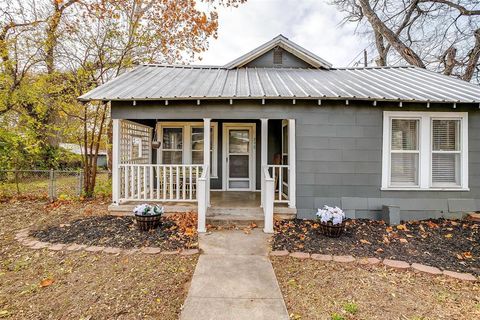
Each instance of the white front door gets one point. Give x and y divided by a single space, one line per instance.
239 156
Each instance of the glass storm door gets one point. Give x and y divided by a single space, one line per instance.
239 158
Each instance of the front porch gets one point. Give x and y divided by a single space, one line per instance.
225 170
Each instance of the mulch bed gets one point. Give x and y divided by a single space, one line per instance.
175 232
446 244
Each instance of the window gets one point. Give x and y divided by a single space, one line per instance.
172 146
182 143
425 150
136 149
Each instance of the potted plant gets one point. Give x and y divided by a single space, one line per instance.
332 221
148 216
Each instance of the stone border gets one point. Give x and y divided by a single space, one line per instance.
23 237
392 264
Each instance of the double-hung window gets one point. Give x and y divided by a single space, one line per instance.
425 150
182 143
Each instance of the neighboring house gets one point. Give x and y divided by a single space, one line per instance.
102 157
285 122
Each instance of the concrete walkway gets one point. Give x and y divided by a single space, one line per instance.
234 280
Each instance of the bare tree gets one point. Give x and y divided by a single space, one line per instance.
442 35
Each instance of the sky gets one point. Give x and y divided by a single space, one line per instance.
313 24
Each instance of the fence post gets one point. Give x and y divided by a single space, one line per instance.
80 182
51 187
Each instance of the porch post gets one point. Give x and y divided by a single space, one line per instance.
264 158
206 155
116 161
292 162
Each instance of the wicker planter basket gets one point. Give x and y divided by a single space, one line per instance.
332 230
146 223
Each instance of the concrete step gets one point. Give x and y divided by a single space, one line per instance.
235 220
234 211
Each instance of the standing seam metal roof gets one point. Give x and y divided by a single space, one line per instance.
169 82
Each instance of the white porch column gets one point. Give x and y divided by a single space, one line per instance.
264 156
206 154
292 162
116 161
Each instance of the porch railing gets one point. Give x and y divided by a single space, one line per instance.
268 194
280 175
157 182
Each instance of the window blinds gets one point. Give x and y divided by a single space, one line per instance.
445 151
404 152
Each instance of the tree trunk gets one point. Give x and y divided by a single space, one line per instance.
377 24
473 58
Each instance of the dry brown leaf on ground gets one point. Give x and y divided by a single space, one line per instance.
365 241
46 282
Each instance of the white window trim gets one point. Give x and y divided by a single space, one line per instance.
425 147
187 142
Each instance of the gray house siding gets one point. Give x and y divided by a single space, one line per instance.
288 61
339 152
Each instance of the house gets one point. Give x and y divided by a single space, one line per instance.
280 131
102 156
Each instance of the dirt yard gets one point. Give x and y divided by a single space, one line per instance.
81 285
327 290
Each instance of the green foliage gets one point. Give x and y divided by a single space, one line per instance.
336 316
350 307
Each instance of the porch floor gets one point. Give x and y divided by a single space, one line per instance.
222 202
235 199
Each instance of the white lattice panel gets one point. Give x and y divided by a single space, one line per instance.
135 143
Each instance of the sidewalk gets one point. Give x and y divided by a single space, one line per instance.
234 280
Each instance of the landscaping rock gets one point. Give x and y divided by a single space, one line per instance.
460 276
344 259
112 250
396 264
151 250
279 253
130 251
189 252
426 269
94 249
39 245
322 257
369 261
75 247
57 246
300 255
168 253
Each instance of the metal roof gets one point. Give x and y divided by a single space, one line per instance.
170 82
283 42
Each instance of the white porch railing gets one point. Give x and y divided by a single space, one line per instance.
280 175
157 182
268 195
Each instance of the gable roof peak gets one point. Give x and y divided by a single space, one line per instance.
286 44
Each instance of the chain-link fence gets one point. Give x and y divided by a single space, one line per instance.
49 184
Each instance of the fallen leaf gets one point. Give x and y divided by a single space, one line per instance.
403 240
402 227
389 229
46 282
365 241
432 224
468 255
448 236
422 228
